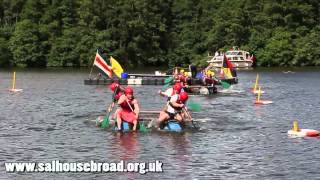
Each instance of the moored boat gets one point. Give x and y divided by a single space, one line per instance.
240 58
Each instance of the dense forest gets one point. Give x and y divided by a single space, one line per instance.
42 33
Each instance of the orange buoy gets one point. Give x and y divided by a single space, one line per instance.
296 132
263 102
304 133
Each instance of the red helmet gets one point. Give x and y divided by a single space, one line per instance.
128 90
177 87
183 96
113 86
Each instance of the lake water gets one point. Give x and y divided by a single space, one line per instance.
52 119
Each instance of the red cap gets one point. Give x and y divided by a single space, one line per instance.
113 86
177 87
128 90
183 96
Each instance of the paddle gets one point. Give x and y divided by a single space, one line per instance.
168 80
225 85
167 83
193 106
105 123
189 116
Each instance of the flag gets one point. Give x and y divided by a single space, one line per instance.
102 65
116 67
227 68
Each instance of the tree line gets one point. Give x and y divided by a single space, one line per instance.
42 33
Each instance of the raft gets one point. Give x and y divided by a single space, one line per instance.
147 118
145 79
200 90
133 81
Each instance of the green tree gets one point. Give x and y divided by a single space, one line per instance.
26 46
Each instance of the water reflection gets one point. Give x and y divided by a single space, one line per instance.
178 149
128 146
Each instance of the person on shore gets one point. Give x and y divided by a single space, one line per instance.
174 109
130 109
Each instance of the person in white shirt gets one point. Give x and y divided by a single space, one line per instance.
174 108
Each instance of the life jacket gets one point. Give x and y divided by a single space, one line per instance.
172 109
117 96
125 105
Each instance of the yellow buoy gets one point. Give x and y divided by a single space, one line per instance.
14 81
295 126
13 89
256 84
259 94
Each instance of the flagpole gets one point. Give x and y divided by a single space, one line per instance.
221 69
91 69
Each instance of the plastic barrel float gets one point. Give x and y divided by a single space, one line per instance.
172 125
296 132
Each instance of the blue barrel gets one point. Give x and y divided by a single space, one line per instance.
124 75
125 126
173 126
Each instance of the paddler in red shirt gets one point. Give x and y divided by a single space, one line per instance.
117 90
130 109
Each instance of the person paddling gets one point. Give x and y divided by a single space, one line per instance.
174 109
117 90
130 109
175 89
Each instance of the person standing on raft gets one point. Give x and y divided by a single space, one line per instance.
174 109
129 110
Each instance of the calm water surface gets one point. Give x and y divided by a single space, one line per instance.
52 119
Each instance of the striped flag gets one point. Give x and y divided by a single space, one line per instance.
227 69
102 65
